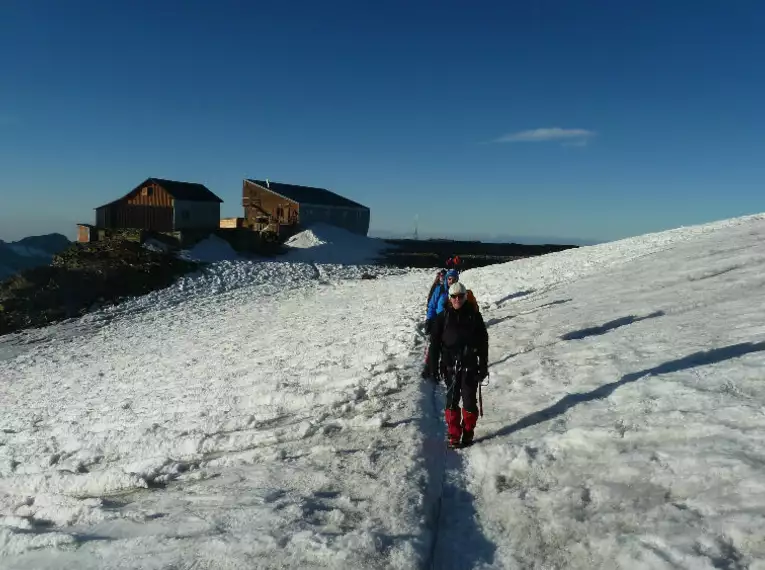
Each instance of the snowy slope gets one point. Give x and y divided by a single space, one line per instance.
625 419
270 415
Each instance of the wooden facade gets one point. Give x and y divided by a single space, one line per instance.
232 223
264 207
162 206
284 208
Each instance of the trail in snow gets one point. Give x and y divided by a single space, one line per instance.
458 540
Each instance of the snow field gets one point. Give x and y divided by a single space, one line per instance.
274 406
269 415
627 413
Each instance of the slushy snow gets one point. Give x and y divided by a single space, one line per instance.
271 415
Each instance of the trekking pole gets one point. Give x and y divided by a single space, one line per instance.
480 396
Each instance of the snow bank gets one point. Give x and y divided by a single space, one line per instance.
624 416
261 417
324 243
211 250
497 284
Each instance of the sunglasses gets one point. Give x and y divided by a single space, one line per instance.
457 296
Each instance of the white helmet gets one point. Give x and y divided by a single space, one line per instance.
457 288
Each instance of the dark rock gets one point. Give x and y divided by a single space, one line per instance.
84 276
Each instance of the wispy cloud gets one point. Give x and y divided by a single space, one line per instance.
574 137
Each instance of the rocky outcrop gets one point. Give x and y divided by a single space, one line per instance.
29 252
83 276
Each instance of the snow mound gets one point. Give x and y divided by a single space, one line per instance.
156 245
324 243
211 250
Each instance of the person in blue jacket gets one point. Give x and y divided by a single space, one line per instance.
436 305
440 296
438 281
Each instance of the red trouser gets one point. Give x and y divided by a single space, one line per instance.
464 385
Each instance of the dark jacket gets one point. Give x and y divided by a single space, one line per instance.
459 334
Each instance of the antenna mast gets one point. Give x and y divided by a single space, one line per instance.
416 223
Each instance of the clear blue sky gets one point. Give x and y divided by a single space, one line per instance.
595 120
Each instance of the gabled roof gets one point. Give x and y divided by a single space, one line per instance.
190 191
306 194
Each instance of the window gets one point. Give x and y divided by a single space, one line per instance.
148 191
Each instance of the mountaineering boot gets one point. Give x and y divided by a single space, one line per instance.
453 427
469 419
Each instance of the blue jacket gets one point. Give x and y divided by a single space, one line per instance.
437 301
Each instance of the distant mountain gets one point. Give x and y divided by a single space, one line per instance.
487 238
29 252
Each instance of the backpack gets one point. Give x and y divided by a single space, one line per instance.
470 298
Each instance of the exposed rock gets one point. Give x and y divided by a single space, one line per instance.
84 275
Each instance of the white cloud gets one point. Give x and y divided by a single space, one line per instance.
578 136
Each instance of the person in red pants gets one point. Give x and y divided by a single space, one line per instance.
459 350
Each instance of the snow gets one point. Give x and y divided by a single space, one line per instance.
324 243
211 250
156 245
271 415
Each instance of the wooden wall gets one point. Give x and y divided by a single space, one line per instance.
150 195
258 202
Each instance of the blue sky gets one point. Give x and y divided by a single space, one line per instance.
588 120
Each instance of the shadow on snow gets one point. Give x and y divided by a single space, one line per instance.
609 326
511 296
701 358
